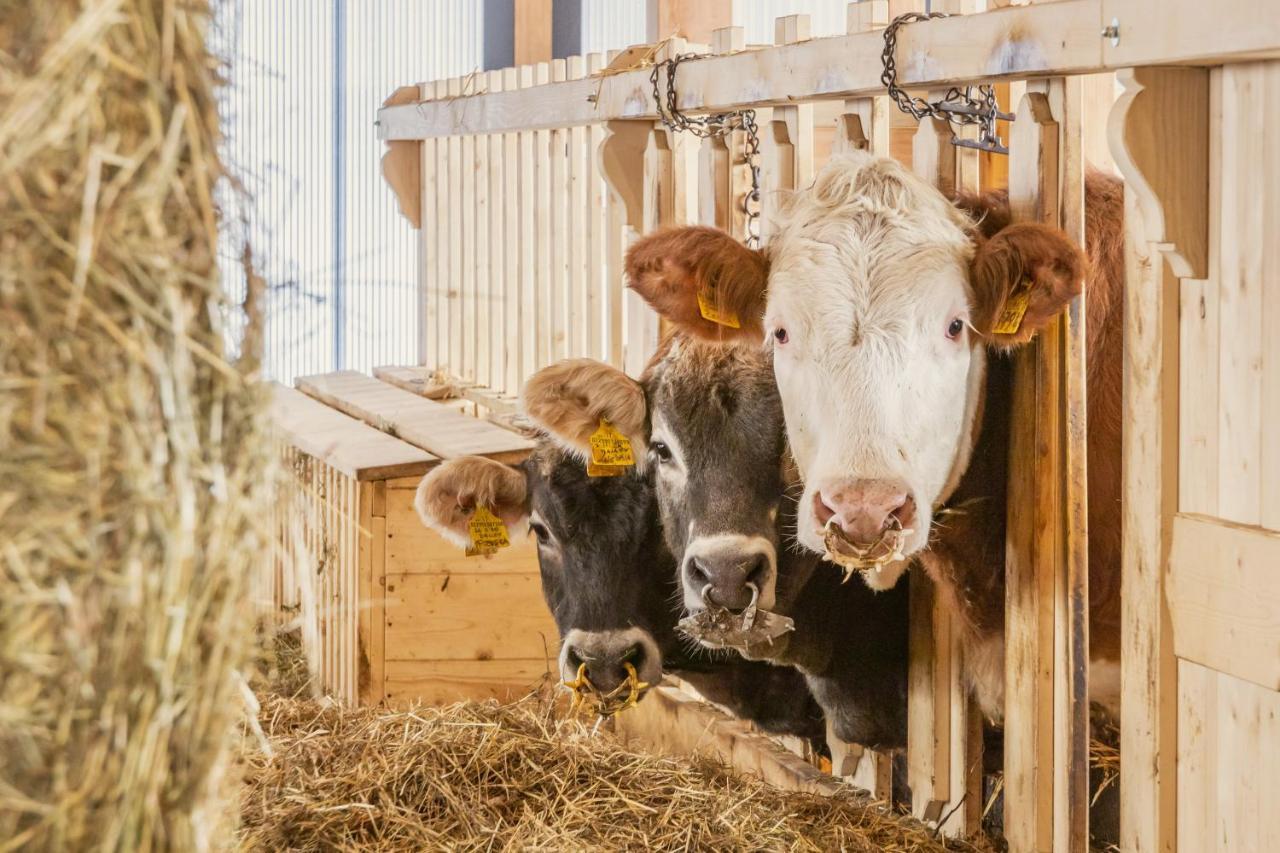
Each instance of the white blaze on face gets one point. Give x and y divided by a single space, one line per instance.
869 282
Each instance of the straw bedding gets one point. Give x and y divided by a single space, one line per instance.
133 468
521 776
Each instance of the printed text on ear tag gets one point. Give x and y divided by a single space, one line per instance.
610 448
707 307
1015 307
487 533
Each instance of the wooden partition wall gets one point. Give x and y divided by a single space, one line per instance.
531 189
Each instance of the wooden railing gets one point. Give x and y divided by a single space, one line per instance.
534 180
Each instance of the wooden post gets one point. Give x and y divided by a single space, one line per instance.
1159 137
864 124
787 136
693 20
532 34
723 173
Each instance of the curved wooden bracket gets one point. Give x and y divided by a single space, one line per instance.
1159 137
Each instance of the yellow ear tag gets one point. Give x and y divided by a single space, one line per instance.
594 470
1015 308
610 448
487 533
707 307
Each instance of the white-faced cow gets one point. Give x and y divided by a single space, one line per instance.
887 308
709 421
608 579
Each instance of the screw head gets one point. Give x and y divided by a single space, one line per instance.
1112 31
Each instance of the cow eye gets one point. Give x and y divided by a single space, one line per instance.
780 335
956 327
540 531
661 451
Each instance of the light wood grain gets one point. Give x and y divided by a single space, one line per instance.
351 447
414 549
446 681
419 421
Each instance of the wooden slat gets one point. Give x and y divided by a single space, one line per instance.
1224 597
466 617
488 257
1049 39
422 381
453 284
445 681
419 421
527 315
428 245
558 201
465 364
577 278
597 242
507 369
541 322
345 443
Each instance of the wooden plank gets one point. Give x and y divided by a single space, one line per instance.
595 236
673 721
1224 597
465 364
508 371
694 20
531 31
467 617
492 321
1263 80
1194 34
345 443
412 548
1019 42
1148 134
453 283
541 321
446 681
558 201
423 382
428 244
419 421
577 274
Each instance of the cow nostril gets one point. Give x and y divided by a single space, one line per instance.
634 656
698 574
573 658
758 572
904 514
821 511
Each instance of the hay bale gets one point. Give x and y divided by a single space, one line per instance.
507 777
133 471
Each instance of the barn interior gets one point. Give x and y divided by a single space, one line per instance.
337 352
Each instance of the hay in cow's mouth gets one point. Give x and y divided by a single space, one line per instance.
620 698
852 557
720 628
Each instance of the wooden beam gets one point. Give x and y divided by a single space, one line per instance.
532 31
692 20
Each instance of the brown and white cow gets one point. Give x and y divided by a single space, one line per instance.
879 299
608 579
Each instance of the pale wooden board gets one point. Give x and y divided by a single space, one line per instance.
467 617
508 369
345 443
422 381
440 682
419 421
1224 597
675 722
413 548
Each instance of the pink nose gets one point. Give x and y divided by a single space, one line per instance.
865 508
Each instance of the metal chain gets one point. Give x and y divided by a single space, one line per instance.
713 126
956 107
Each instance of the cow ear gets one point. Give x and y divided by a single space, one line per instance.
702 280
1022 278
568 400
448 496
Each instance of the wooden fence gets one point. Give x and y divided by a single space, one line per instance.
530 183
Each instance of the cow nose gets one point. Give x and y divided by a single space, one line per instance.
864 509
729 580
606 668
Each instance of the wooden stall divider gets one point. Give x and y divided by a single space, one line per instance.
559 282
527 325
596 299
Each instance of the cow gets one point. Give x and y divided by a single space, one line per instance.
707 422
889 311
608 579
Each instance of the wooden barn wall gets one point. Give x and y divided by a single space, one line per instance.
1229 470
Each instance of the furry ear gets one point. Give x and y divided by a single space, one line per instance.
672 267
448 496
1022 277
568 399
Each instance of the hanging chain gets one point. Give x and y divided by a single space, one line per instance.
957 108
713 126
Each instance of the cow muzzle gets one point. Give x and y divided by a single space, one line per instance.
609 671
865 524
729 571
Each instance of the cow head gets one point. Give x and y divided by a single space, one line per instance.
606 575
712 416
879 299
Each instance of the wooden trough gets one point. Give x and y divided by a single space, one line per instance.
393 611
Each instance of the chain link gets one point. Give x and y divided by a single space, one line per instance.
713 126
957 108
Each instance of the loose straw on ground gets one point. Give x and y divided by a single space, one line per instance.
483 776
133 466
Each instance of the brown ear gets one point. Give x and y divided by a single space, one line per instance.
568 400
669 268
1022 278
448 496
